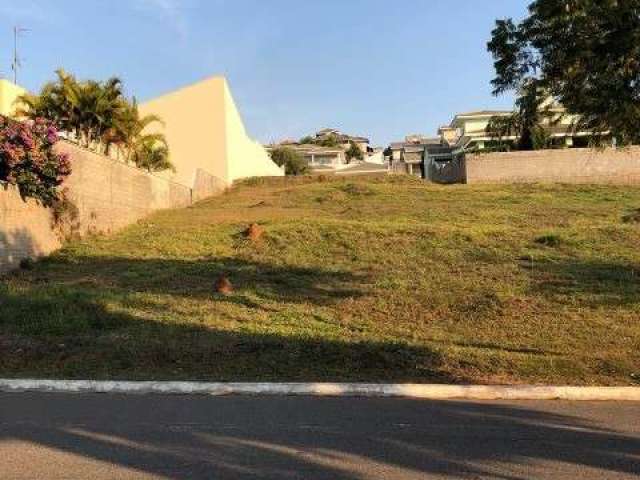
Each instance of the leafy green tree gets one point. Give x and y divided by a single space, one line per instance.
329 141
354 152
308 140
502 127
293 161
584 53
526 123
540 138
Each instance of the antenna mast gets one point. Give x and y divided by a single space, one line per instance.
17 62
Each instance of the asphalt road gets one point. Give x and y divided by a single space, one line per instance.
106 437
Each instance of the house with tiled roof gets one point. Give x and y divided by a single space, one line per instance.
343 139
328 150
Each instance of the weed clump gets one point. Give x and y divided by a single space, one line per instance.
253 182
357 190
27 264
633 217
550 240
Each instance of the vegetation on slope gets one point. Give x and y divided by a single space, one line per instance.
369 280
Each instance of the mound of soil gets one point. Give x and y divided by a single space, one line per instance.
254 232
223 286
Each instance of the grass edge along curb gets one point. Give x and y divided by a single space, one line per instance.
417 391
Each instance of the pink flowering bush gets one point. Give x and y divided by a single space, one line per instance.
28 159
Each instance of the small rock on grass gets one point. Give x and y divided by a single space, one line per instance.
254 232
223 286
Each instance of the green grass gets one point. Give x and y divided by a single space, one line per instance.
361 279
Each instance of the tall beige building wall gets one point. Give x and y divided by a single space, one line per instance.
205 133
245 156
194 126
9 92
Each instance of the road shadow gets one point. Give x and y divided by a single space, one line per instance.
349 439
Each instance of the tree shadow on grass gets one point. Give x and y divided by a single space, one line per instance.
341 438
196 278
593 284
16 246
71 323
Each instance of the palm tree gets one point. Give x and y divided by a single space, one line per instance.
131 132
98 107
56 101
97 115
152 154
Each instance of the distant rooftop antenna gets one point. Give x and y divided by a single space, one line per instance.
17 61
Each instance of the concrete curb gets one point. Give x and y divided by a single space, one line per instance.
427 392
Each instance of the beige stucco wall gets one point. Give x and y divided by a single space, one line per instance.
9 92
245 156
194 126
575 165
475 125
448 134
109 195
205 132
377 157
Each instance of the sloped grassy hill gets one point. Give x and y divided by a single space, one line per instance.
358 279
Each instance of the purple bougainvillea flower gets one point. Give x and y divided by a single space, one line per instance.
28 159
52 135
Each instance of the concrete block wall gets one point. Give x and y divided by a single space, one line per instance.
572 165
206 185
25 229
108 194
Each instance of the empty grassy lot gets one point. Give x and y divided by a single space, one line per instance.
359 279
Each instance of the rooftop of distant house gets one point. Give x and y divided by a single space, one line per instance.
325 132
416 141
484 113
307 148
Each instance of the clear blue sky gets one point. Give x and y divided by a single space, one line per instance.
379 68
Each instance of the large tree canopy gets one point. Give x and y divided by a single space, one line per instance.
585 53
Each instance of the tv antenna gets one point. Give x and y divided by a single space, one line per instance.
17 61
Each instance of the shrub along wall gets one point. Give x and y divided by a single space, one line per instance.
573 165
104 196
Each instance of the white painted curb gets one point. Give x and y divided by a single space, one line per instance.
428 392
